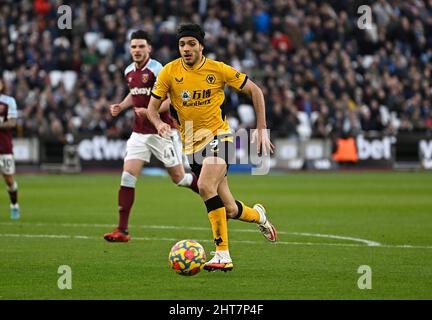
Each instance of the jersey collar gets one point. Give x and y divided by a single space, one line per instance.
199 66
144 66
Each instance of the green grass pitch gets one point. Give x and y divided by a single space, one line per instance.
329 225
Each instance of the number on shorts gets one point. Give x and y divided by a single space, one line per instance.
6 164
169 153
214 145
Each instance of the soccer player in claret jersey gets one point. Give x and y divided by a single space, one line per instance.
8 117
144 140
195 85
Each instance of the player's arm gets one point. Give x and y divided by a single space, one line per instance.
164 107
153 108
260 135
116 108
9 124
159 94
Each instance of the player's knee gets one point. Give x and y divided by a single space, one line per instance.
128 180
231 211
12 185
206 188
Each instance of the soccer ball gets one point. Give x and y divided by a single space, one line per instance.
187 257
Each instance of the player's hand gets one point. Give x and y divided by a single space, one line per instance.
141 112
164 129
263 143
115 109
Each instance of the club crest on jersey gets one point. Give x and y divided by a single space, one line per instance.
129 79
185 95
211 78
145 77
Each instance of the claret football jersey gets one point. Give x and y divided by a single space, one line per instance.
197 98
8 110
140 82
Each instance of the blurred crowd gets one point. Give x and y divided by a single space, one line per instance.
321 74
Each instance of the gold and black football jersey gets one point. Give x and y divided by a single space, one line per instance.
197 97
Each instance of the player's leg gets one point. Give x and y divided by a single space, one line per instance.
212 173
137 153
183 179
169 152
238 210
126 196
7 168
12 188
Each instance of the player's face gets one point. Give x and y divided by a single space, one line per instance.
190 50
139 50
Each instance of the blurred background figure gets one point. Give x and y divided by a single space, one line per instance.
8 120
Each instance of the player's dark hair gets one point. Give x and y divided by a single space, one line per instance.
141 34
191 30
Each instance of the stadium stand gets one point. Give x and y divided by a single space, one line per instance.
321 75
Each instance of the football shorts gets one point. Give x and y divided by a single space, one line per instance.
7 164
221 146
167 150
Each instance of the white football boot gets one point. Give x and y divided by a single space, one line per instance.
221 261
264 225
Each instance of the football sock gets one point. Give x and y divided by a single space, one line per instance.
190 181
194 184
13 193
126 198
246 213
217 216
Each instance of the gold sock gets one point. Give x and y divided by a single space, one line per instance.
217 216
246 213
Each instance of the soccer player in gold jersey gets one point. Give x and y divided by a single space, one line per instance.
195 85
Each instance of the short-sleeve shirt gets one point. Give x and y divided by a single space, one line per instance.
197 98
140 83
8 110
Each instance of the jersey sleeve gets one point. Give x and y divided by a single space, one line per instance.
161 86
234 78
155 67
12 109
128 69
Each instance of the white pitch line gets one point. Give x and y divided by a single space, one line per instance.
86 225
62 236
80 237
331 236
